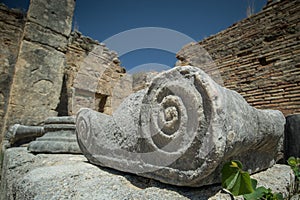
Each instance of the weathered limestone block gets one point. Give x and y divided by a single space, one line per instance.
181 130
11 28
39 34
36 86
39 69
292 136
55 15
59 137
64 176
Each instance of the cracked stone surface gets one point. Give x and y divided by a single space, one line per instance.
64 176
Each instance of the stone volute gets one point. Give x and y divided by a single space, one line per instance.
180 130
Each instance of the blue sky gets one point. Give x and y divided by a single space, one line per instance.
197 19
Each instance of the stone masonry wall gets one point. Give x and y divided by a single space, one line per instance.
43 63
39 69
92 72
259 57
39 66
11 30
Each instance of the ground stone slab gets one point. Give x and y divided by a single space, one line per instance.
65 176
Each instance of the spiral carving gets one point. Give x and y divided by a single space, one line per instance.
180 130
83 129
172 111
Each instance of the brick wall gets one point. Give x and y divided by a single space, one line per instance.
259 57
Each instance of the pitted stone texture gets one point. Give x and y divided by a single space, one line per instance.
38 78
181 130
269 179
39 34
54 15
62 176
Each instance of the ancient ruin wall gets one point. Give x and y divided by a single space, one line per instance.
92 73
11 30
259 57
39 60
39 68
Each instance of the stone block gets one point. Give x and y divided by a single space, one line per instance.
36 33
11 27
55 15
94 76
62 176
37 84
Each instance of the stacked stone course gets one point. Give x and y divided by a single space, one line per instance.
87 59
258 57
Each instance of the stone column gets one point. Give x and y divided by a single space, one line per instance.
59 137
181 130
39 69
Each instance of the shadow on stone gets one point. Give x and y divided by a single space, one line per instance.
292 136
143 183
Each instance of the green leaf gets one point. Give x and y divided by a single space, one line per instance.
246 186
279 196
292 161
228 174
254 183
235 179
232 181
257 194
239 182
263 193
230 168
